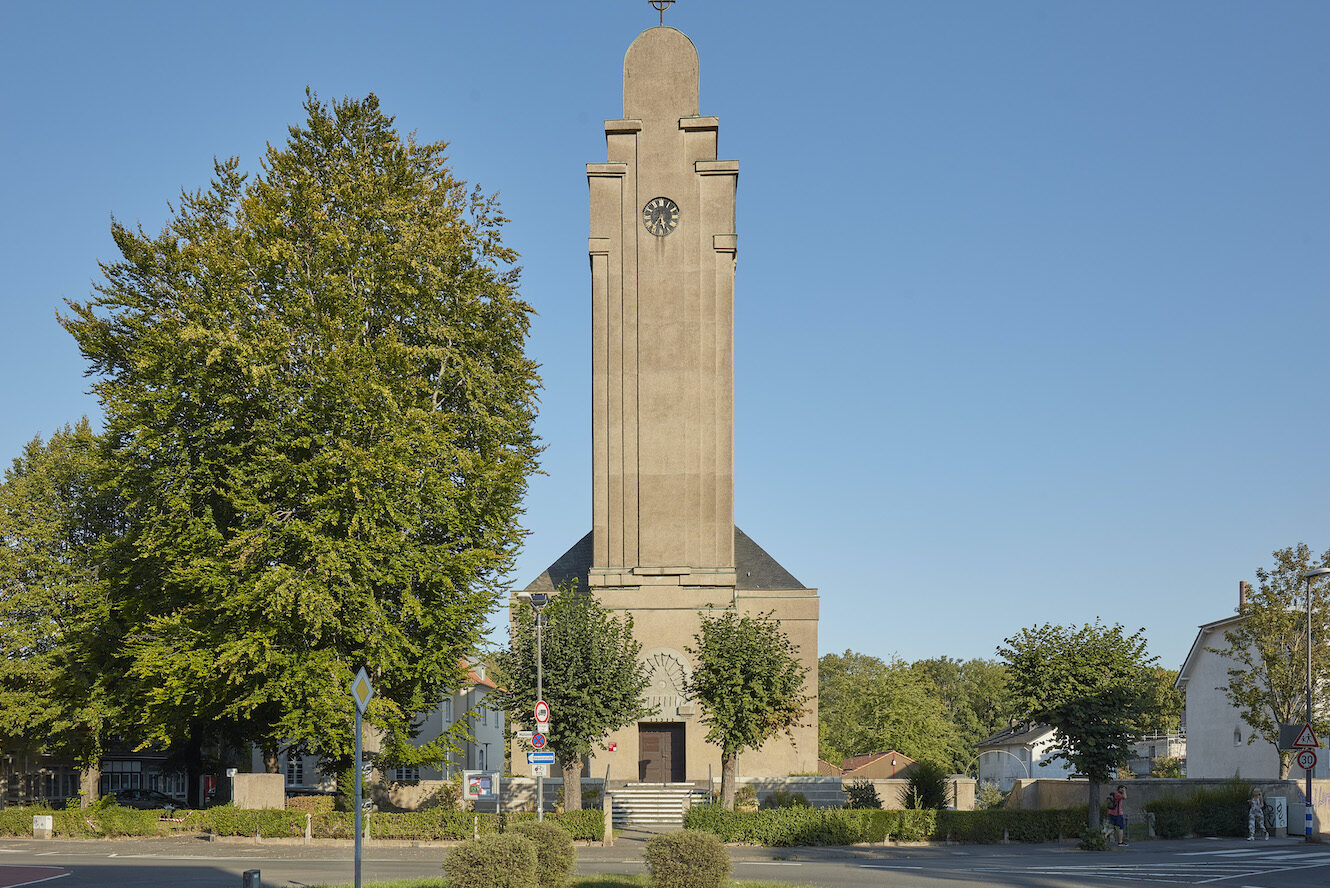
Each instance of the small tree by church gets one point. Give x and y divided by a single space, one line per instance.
592 679
749 682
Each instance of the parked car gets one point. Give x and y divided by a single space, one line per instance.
145 799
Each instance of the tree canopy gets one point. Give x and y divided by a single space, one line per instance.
319 418
748 681
592 678
1095 686
1268 680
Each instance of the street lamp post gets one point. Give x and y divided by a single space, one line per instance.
1310 575
539 600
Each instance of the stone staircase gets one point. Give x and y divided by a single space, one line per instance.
654 805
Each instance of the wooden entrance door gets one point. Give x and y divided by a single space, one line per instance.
660 753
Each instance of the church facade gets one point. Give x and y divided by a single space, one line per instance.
663 546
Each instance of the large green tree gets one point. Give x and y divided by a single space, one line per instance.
319 415
1268 648
748 681
1095 685
868 705
974 696
54 522
591 678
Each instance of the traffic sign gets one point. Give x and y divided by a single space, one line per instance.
1306 739
540 770
614 747
540 758
542 713
525 735
1306 759
361 689
537 741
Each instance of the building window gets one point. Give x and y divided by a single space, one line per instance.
121 775
295 771
407 774
448 711
484 716
481 755
1237 737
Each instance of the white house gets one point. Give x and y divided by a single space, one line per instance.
467 703
1023 751
1219 742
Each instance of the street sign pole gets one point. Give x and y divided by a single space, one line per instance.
361 692
539 600
358 779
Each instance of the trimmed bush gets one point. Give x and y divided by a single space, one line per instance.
784 798
586 825
687 860
927 787
1221 811
499 861
555 856
862 794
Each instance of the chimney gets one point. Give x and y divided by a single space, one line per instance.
1244 589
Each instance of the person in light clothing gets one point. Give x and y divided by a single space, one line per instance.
1256 815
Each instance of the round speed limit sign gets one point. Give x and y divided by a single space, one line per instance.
1306 759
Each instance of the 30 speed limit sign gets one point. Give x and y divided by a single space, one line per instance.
1306 759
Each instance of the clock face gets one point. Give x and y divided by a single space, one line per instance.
660 216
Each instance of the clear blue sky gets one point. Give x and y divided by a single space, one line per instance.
1033 299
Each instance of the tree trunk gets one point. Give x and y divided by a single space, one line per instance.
729 770
572 783
90 779
194 772
271 765
1094 805
1285 764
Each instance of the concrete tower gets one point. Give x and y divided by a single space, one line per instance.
663 545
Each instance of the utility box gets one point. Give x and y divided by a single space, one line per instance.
43 826
251 879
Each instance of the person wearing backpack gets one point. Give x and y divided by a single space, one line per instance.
1116 819
1256 816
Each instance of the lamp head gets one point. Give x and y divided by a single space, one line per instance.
540 599
1315 573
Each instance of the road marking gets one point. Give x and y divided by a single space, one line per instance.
886 866
769 863
23 872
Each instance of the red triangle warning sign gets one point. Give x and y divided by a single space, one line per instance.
1306 739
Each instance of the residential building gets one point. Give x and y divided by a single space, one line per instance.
1023 751
887 765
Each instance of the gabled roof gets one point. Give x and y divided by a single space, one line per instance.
1184 674
754 568
1019 734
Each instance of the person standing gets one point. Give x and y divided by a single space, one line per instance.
1256 815
1117 821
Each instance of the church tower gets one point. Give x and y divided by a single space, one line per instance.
663 545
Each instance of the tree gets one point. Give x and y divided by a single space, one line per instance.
593 681
749 681
867 705
1095 687
974 696
54 519
1268 647
319 415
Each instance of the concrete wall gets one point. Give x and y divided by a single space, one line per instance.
891 793
257 791
1045 794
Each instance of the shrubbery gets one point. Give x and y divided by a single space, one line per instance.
687 860
927 787
506 860
1221 811
555 856
784 798
844 826
862 794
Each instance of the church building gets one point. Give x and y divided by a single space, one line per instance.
663 545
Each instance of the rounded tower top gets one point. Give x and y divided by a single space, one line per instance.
660 75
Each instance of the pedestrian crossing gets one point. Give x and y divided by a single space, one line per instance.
1196 867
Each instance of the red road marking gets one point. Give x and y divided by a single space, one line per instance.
15 876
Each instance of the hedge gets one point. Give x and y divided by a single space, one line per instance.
433 825
1221 811
841 826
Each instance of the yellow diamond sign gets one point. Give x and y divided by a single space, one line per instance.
361 689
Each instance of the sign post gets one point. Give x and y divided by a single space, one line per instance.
361 692
1306 745
539 600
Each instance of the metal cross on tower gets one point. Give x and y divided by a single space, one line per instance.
661 6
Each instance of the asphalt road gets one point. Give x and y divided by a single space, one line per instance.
156 863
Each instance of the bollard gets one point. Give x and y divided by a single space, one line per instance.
43 826
251 879
1006 839
309 829
608 805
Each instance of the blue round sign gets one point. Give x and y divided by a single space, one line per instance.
537 741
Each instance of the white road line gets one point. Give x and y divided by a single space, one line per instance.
887 866
38 881
768 863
